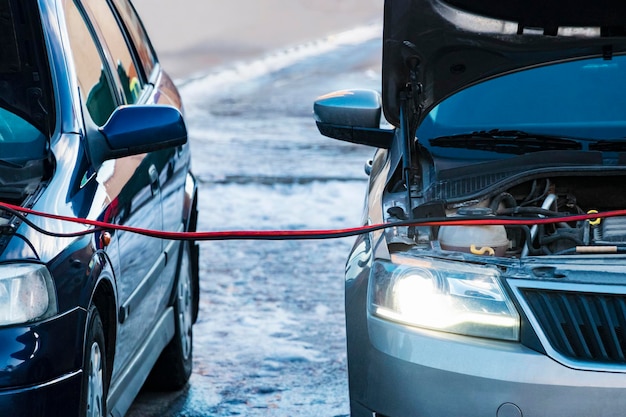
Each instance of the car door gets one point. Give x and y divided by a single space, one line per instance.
108 76
173 176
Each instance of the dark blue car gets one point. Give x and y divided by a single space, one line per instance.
90 127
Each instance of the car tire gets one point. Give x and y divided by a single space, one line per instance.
173 368
95 384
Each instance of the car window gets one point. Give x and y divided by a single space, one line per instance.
93 81
27 110
120 54
131 21
20 141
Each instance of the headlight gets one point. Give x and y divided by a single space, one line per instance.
26 293
446 296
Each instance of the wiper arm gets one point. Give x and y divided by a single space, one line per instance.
10 164
617 145
515 142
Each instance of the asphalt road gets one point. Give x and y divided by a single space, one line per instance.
270 340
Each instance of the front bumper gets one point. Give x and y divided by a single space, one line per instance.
40 366
412 372
57 398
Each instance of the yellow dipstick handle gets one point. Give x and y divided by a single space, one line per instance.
594 222
482 251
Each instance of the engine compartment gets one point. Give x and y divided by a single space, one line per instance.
537 198
563 196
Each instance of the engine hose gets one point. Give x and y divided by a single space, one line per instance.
528 211
547 203
506 198
97 225
528 244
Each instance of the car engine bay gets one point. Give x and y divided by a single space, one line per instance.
545 197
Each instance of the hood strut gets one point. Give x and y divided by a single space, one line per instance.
410 114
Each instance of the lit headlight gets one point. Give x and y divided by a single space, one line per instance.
26 293
446 296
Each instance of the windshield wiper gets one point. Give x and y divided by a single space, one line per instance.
617 145
515 142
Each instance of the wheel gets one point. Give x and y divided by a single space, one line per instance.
93 399
173 368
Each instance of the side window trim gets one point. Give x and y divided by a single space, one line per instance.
129 41
106 70
105 55
108 58
149 78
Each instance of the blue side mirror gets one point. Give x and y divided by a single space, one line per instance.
138 129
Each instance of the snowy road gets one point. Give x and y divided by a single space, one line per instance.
270 340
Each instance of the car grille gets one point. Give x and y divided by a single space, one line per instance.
582 326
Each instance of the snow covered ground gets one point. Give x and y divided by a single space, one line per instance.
270 340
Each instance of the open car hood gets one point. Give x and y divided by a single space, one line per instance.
453 44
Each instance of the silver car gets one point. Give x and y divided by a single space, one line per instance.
499 287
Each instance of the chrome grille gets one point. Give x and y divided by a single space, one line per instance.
581 326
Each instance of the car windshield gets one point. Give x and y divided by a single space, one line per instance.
582 99
26 111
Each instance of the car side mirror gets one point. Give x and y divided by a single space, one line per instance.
137 129
352 116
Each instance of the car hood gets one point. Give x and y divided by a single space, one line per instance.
457 43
